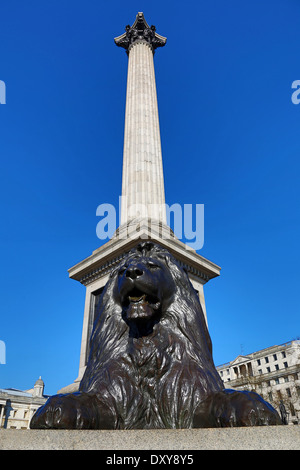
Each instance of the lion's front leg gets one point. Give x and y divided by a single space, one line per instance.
72 411
231 408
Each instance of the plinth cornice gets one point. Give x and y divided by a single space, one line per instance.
106 258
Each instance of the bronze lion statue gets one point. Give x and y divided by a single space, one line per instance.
150 362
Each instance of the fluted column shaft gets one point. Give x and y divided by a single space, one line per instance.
142 184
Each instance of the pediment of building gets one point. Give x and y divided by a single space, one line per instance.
239 359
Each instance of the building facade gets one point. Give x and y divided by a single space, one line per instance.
273 373
17 406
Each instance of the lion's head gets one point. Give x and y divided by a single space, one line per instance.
144 288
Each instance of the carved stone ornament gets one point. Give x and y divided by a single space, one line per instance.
140 31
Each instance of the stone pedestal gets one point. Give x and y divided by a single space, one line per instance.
252 438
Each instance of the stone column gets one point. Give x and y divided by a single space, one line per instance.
1 414
143 183
143 194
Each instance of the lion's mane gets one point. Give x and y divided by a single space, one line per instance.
156 381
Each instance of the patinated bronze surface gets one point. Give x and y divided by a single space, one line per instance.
150 363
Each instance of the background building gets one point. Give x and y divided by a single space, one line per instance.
17 406
274 373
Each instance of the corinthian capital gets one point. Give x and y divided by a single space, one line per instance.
140 31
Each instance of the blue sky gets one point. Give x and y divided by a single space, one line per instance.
230 140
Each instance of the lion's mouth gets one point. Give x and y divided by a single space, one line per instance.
140 305
136 296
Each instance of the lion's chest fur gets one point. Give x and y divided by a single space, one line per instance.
146 368
159 386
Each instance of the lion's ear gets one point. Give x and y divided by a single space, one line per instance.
184 269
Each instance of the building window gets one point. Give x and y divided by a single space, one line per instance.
288 391
275 357
259 371
276 367
258 362
283 354
268 369
266 360
277 381
285 365
286 379
292 409
270 396
227 371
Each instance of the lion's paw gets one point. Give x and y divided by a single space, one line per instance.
231 408
70 411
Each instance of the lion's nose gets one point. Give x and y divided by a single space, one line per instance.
133 272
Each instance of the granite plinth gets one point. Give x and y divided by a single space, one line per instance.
252 438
